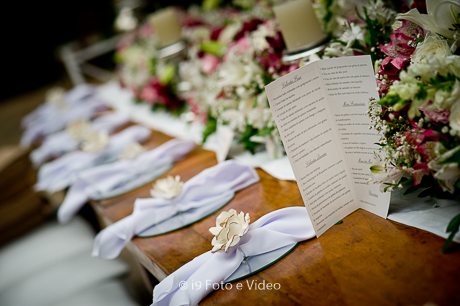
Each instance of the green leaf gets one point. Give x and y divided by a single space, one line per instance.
338 222
213 47
452 228
453 159
411 189
208 5
265 131
426 193
167 74
245 139
210 128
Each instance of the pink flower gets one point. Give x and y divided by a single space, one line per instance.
238 48
209 63
420 170
402 42
427 150
441 115
390 67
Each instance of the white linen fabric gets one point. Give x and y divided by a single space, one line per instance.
62 172
76 94
57 119
270 232
98 180
61 142
212 185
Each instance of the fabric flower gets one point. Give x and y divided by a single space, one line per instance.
230 226
95 142
80 129
167 188
131 151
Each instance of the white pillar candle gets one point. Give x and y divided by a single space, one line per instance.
299 24
166 26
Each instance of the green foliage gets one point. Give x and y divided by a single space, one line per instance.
452 228
245 139
210 128
213 47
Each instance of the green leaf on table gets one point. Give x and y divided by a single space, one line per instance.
452 228
338 222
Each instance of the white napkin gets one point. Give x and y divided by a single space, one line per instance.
62 172
208 187
75 95
61 142
55 119
98 180
270 232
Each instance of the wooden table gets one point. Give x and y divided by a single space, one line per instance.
366 260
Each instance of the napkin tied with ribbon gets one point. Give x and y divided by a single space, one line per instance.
61 142
270 232
62 172
55 120
103 178
218 183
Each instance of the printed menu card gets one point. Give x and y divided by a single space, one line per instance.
321 113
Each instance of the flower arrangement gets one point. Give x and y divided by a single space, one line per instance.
418 114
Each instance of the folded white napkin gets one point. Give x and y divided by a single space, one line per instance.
75 95
215 184
273 231
61 142
55 119
99 180
62 172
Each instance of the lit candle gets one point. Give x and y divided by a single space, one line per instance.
299 24
166 26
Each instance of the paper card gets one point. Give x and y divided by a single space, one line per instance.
321 113
224 138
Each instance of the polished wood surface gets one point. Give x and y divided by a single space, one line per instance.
366 260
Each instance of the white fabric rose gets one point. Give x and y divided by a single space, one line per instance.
80 129
131 151
96 142
167 188
56 96
230 227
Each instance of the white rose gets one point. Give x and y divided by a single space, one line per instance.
131 151
95 142
433 45
80 129
454 117
167 188
230 226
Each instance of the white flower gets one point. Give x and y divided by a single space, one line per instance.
56 96
385 176
454 117
227 34
442 15
95 142
447 173
354 32
80 129
236 72
433 45
131 151
167 188
230 226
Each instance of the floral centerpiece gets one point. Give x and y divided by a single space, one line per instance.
418 114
